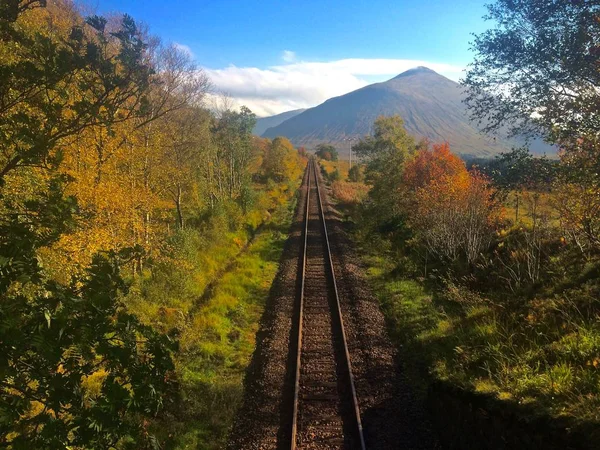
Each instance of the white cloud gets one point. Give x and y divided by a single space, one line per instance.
184 48
289 56
304 84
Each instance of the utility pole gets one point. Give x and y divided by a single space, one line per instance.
351 140
351 154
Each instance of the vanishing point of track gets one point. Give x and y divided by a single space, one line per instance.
325 408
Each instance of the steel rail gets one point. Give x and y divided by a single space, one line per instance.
301 315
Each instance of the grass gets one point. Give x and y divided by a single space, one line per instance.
218 342
544 353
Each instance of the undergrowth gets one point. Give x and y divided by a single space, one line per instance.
212 291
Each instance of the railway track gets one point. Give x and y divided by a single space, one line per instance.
325 407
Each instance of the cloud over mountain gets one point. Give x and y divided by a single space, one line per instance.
303 84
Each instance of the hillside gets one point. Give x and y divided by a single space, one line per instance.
430 104
264 123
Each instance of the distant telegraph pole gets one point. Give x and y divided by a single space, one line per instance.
351 139
350 156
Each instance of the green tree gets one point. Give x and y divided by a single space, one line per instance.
327 152
233 140
354 174
77 369
578 193
517 171
385 153
536 71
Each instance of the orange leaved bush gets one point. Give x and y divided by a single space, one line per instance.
429 165
454 213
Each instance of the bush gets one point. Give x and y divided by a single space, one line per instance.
335 175
326 152
355 174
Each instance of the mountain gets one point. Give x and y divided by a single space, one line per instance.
430 104
263 123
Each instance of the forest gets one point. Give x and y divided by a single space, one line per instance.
139 232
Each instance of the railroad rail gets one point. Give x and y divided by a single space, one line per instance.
325 408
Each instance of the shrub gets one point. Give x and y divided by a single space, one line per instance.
355 174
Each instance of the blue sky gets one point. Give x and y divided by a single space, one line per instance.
276 55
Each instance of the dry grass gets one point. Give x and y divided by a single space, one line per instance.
349 193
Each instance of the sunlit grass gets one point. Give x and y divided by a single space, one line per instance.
342 165
217 346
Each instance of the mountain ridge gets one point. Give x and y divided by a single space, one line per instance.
430 104
264 123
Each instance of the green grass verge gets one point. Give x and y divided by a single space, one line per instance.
218 343
543 352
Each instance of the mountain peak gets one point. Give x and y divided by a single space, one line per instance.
415 71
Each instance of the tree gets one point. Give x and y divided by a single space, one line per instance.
77 369
232 132
518 171
578 193
536 72
327 152
430 165
281 161
302 152
455 216
354 174
60 81
385 154
389 136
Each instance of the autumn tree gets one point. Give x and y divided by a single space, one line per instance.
430 165
327 152
63 79
77 369
455 216
302 152
281 160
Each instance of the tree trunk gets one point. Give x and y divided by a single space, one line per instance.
178 206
